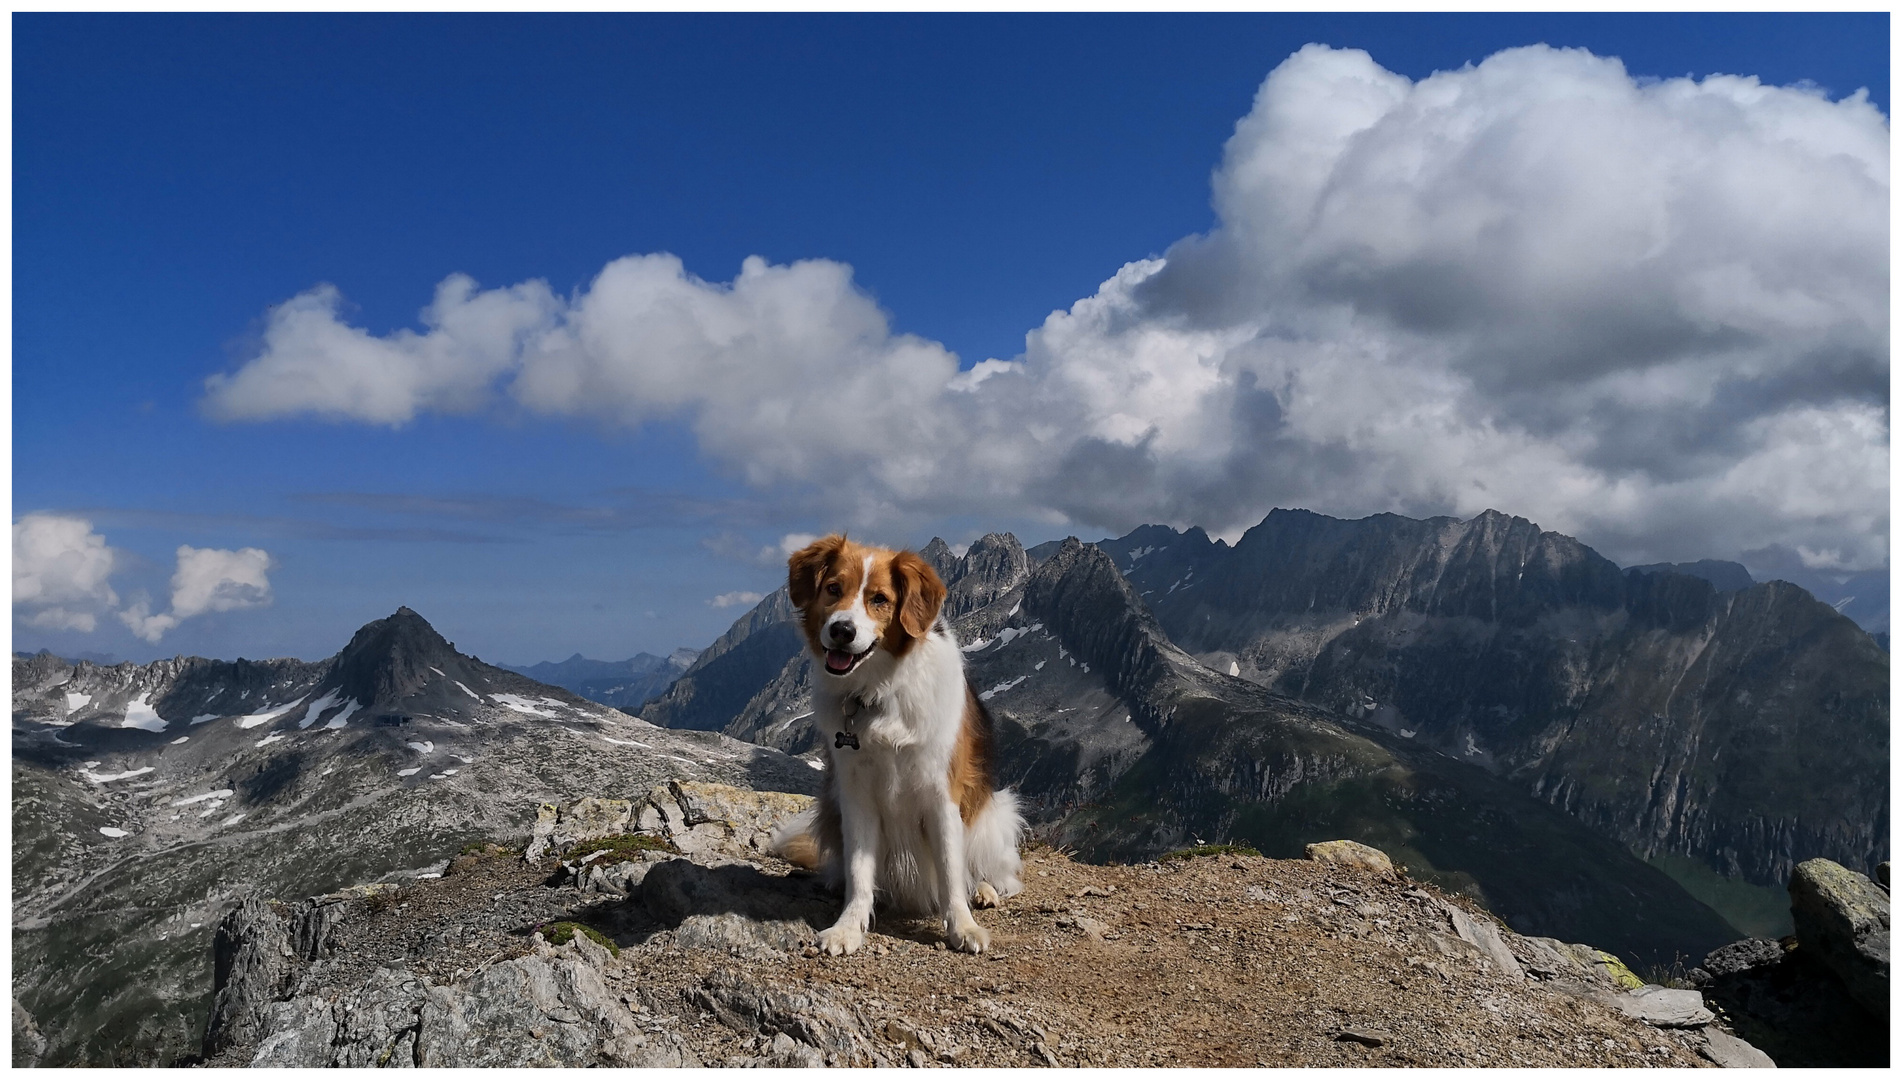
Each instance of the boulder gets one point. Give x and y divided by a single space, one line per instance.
1727 1051
1740 956
1663 1007
1349 853
1843 919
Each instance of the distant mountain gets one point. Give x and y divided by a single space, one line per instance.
147 798
620 683
1723 576
1745 729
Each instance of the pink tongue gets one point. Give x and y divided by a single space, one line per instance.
838 661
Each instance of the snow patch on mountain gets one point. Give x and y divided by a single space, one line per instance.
270 714
219 795
319 707
343 717
1001 688
96 778
138 714
524 705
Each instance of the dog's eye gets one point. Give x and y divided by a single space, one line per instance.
879 599
834 590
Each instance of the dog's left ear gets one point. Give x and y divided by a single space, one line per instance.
920 593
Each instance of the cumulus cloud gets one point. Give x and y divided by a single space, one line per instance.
1653 314
736 599
207 579
60 572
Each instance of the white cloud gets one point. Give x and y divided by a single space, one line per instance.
792 542
1653 315
207 579
60 572
736 599
314 363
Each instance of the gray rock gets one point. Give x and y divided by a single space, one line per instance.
251 958
1745 955
715 902
299 1034
28 1043
1729 1052
1843 917
729 932
1662 1007
809 1017
1481 933
550 1008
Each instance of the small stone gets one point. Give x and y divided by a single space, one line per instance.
917 1059
1364 1036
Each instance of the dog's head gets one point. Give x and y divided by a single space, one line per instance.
861 600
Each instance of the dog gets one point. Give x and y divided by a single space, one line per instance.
909 809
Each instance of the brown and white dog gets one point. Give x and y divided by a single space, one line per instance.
908 810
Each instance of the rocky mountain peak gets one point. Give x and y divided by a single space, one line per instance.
392 659
994 564
1079 595
941 557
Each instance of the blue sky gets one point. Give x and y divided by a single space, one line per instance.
177 178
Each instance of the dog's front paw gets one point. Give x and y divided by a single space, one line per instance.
970 937
985 896
841 940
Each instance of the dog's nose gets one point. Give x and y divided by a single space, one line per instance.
843 631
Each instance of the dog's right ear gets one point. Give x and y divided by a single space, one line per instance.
808 566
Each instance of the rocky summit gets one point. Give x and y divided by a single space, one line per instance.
148 799
652 931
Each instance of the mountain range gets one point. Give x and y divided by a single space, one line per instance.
611 682
1719 728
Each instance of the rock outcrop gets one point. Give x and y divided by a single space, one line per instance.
1819 998
1222 959
1843 918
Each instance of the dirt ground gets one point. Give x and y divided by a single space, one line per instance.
1220 961
1223 960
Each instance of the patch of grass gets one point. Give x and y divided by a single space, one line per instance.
561 933
1757 910
485 847
1209 849
623 848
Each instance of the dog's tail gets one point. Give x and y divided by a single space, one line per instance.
796 841
990 844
